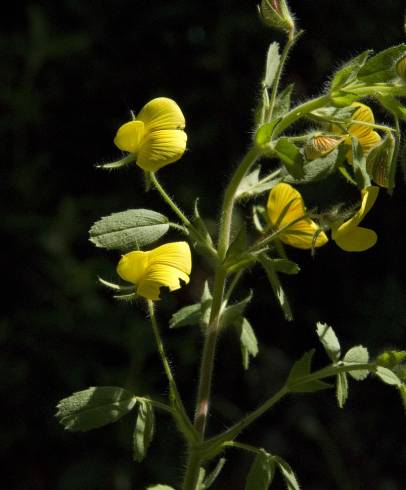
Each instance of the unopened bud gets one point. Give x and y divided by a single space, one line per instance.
276 13
321 145
380 160
401 68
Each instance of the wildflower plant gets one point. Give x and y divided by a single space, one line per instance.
342 138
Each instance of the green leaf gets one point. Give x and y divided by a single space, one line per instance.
333 114
188 315
289 476
160 487
247 183
388 376
144 430
232 313
360 355
381 67
264 134
320 168
360 164
272 63
261 473
127 230
282 102
343 98
238 245
329 340
291 157
285 266
279 293
200 225
94 407
297 382
212 476
342 389
248 341
206 302
348 73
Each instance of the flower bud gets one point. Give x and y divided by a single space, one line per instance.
401 68
321 145
379 162
275 13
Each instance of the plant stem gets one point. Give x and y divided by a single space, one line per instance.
229 199
168 199
177 403
298 112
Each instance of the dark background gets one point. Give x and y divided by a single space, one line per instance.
70 73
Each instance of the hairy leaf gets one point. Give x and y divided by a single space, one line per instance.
131 229
291 157
297 382
357 354
94 407
342 389
388 376
329 340
348 73
144 430
381 67
272 63
248 340
261 473
289 476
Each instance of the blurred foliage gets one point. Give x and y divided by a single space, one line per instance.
71 71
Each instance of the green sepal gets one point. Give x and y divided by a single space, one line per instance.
329 340
381 68
320 168
213 475
95 407
248 341
261 473
129 230
341 389
144 430
282 102
359 163
277 288
288 474
291 157
264 134
233 312
333 114
296 382
358 354
348 73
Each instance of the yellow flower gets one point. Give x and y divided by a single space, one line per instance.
367 137
285 205
155 136
166 265
351 237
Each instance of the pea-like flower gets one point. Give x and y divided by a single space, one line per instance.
166 265
287 212
351 237
367 137
155 136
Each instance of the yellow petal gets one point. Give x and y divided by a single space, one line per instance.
129 136
161 113
159 148
285 205
368 198
359 240
362 113
133 266
369 141
168 265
